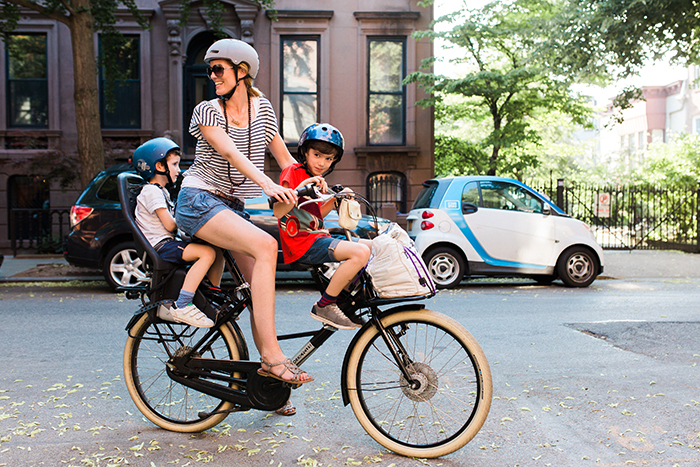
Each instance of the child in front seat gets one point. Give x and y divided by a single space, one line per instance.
158 162
302 234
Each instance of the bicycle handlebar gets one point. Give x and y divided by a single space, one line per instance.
336 191
307 190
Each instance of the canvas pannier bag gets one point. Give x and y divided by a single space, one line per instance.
349 214
396 268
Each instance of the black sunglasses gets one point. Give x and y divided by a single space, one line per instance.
218 70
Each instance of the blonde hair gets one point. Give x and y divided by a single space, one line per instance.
248 81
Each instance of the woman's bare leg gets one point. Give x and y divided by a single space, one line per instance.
217 269
257 258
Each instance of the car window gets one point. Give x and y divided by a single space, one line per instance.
504 195
470 194
108 191
425 196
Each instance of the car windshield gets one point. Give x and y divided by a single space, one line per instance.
426 195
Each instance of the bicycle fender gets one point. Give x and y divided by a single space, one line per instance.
390 311
136 316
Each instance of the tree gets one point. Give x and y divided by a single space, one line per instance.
617 37
505 44
674 163
83 18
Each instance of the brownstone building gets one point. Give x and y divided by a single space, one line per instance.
341 64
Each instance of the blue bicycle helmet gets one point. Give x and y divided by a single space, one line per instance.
321 132
150 152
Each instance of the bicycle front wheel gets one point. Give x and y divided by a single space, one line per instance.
447 398
169 404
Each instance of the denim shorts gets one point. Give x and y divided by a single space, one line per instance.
196 207
172 251
321 251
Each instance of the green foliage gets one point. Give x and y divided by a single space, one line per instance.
454 156
674 163
617 37
625 100
505 45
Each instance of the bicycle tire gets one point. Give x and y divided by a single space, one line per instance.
424 422
163 401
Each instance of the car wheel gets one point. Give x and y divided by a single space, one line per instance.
577 267
445 266
122 266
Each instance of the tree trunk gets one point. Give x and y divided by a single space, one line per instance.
87 107
493 160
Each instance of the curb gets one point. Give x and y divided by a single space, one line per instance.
51 279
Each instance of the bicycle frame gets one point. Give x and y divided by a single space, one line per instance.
232 380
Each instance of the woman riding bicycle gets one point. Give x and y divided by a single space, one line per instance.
232 134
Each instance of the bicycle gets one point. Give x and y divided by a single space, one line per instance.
417 381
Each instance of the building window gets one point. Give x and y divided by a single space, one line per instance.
657 136
387 187
300 65
27 81
386 93
124 111
696 125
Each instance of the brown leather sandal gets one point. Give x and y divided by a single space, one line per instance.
288 365
287 410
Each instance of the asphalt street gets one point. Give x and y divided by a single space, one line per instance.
602 376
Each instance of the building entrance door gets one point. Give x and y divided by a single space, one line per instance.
198 86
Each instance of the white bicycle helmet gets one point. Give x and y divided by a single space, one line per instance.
236 51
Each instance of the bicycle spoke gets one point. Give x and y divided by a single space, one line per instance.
437 402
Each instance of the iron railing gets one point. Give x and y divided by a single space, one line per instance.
41 230
631 217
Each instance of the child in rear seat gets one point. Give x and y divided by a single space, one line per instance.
158 162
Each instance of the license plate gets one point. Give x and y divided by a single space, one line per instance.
410 224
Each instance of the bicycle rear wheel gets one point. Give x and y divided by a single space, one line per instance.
163 401
449 400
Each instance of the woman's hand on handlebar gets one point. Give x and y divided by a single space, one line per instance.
281 194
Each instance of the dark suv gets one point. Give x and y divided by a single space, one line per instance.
100 237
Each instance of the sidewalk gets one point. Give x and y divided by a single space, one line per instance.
649 264
48 268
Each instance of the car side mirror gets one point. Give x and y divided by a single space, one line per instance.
469 208
546 210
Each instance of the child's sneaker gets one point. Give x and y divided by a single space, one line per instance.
333 316
164 312
191 315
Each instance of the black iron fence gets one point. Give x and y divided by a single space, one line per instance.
40 230
622 217
633 216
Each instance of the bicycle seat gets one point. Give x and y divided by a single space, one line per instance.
129 186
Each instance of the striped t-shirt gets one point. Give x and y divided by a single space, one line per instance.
210 167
